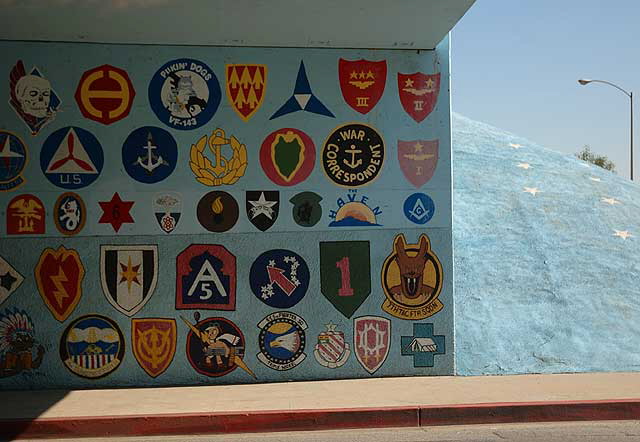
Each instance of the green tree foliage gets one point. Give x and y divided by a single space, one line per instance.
599 160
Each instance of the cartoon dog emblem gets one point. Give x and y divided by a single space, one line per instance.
331 351
19 349
412 280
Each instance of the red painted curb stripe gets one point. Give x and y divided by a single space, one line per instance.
307 420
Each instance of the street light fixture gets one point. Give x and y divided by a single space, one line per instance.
585 82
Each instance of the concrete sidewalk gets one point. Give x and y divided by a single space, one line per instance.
410 401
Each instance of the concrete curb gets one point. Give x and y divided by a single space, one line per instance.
326 419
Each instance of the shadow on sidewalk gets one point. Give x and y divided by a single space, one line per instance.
19 410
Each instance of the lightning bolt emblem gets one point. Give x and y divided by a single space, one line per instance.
60 293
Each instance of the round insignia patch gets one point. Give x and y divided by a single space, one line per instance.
13 159
184 94
215 347
282 340
217 211
353 155
92 346
419 208
287 156
279 278
149 154
71 158
306 210
69 213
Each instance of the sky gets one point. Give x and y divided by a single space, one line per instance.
515 65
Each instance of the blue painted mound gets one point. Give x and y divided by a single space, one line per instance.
545 281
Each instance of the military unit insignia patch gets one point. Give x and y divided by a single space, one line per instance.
10 280
184 94
215 347
116 212
282 340
303 99
69 213
92 346
20 351
332 350
262 208
149 154
287 156
167 208
25 215
279 278
13 159
129 275
307 210
353 155
105 94
217 211
206 278
224 169
419 208
418 160
412 280
32 97
345 274
354 212
371 341
423 345
71 158
362 83
154 343
418 93
246 86
59 274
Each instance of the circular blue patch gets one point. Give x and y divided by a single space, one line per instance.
13 159
419 208
184 93
71 158
279 278
149 154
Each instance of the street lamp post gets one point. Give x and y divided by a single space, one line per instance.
628 94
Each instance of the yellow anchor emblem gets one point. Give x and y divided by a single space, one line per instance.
224 171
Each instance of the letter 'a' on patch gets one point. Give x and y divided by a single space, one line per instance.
353 155
105 94
246 88
418 160
371 341
418 93
345 274
287 156
423 346
279 278
10 279
206 278
59 274
92 346
282 340
412 280
149 154
71 158
184 94
13 159
26 215
362 83
154 343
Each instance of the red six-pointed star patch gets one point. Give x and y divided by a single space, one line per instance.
116 212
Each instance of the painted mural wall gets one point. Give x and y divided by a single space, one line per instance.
194 215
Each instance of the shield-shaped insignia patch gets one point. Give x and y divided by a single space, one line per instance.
332 351
154 343
418 93
167 208
262 208
345 274
418 160
371 338
129 274
246 84
362 82
59 275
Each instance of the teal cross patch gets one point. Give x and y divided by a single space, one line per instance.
423 345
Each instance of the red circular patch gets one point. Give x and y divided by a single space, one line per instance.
287 156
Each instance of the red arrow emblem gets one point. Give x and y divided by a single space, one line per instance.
276 275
